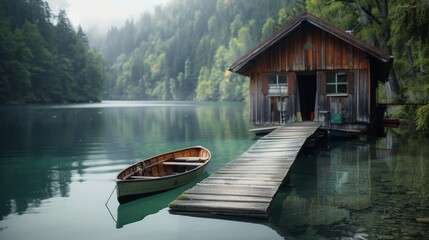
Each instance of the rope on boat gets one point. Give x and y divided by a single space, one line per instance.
108 209
111 195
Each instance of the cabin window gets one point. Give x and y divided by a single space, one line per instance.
336 83
277 85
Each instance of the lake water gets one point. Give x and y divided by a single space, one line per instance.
58 164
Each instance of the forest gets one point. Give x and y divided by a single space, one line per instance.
181 51
44 59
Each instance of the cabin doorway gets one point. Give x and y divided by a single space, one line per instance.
307 87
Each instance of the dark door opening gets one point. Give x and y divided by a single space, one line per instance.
307 96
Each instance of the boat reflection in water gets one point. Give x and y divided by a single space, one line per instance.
139 209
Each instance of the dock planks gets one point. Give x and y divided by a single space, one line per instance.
246 186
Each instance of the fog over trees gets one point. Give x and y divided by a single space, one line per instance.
182 51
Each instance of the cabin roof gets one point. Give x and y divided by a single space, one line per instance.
381 56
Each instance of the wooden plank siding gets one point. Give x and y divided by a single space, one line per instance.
357 102
327 53
309 49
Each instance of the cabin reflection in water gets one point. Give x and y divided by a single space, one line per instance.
342 176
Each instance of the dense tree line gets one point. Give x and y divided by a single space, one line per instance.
42 61
182 51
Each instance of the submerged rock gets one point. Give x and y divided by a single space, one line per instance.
360 236
385 237
423 220
414 233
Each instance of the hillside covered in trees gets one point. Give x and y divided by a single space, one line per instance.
43 58
181 51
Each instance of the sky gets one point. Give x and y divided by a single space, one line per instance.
101 15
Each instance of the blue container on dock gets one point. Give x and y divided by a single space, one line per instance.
337 118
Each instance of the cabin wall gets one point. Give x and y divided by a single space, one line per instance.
355 105
310 50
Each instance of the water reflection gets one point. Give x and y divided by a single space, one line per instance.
60 161
373 188
45 148
137 210
344 176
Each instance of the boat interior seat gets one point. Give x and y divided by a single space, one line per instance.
183 163
189 159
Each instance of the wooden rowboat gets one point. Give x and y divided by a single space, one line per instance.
161 173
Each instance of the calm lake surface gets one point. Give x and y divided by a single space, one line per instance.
58 164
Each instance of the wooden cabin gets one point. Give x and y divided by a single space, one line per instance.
309 70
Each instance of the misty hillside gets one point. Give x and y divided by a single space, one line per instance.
44 60
182 51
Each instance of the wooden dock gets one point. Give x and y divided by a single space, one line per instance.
246 186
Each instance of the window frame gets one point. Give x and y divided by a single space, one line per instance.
337 84
277 88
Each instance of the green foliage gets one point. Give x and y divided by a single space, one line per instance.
268 28
411 17
422 117
422 113
343 15
45 62
410 23
399 27
184 48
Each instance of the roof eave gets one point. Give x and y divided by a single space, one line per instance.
239 65
293 24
